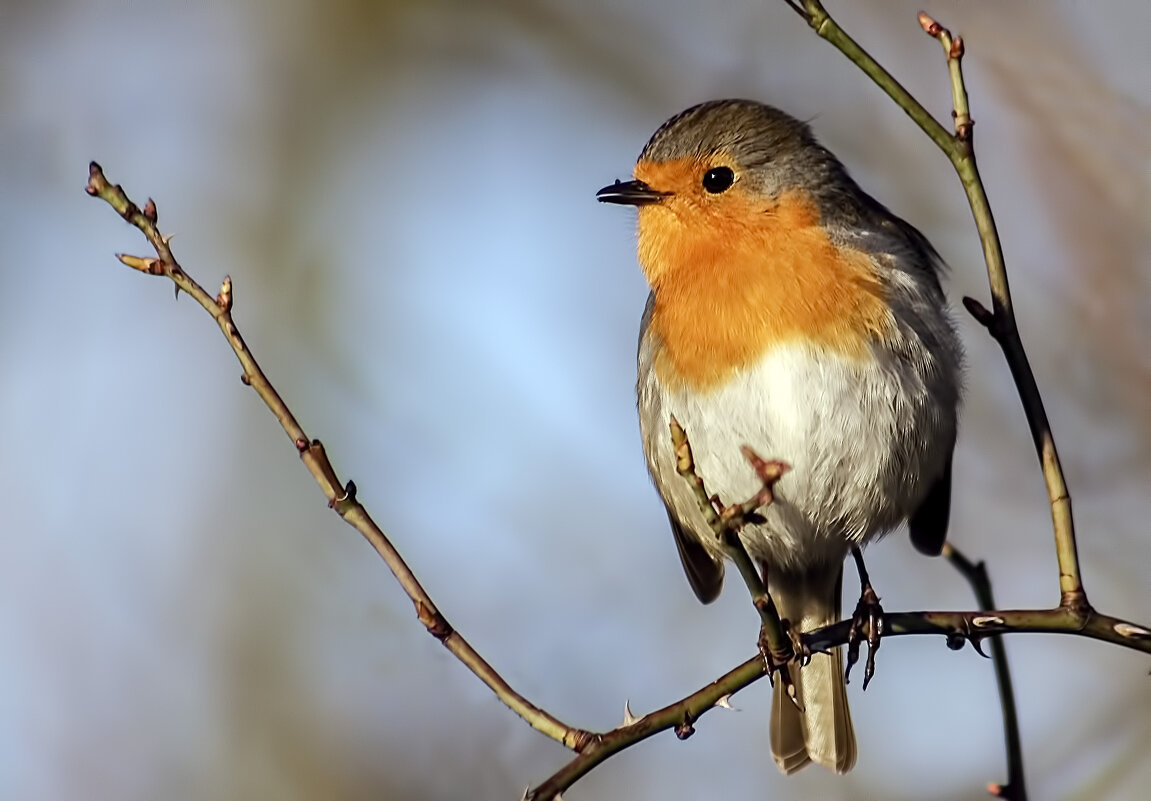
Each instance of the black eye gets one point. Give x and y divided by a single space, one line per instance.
717 179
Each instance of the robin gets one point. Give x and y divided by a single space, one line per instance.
792 312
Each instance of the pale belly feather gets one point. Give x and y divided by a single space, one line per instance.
863 436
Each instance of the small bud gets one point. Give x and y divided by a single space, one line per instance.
930 26
224 299
150 210
979 312
143 264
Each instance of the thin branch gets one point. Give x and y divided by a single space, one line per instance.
1073 616
341 498
962 627
680 716
726 523
958 629
976 575
1000 322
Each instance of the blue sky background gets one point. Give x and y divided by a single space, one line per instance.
403 194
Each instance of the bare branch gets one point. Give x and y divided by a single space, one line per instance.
341 498
976 575
960 150
726 521
1072 616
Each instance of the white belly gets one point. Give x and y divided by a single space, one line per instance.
865 438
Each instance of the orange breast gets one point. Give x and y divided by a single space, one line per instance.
733 280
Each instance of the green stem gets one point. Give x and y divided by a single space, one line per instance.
960 151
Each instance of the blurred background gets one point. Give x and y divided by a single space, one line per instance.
403 194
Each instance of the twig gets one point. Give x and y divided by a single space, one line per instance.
976 575
1073 616
962 627
341 498
958 629
1000 321
726 523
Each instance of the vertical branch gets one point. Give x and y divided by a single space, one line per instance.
976 575
1000 321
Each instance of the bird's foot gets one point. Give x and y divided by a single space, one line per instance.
866 624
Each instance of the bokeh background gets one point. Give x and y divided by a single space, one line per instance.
403 194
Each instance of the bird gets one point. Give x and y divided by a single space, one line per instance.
793 313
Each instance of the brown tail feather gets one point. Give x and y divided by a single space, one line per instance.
822 731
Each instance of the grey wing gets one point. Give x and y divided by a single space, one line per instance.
928 525
910 252
704 572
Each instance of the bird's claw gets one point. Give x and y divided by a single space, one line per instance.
866 624
778 662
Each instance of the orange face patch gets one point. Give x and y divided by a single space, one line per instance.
735 273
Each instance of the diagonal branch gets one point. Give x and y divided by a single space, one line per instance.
958 629
341 498
726 523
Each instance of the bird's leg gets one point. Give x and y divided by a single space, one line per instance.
869 615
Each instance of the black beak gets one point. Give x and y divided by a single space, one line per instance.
630 193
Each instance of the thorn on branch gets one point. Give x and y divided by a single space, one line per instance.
628 717
1129 630
724 701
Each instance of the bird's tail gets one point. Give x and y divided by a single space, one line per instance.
822 731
